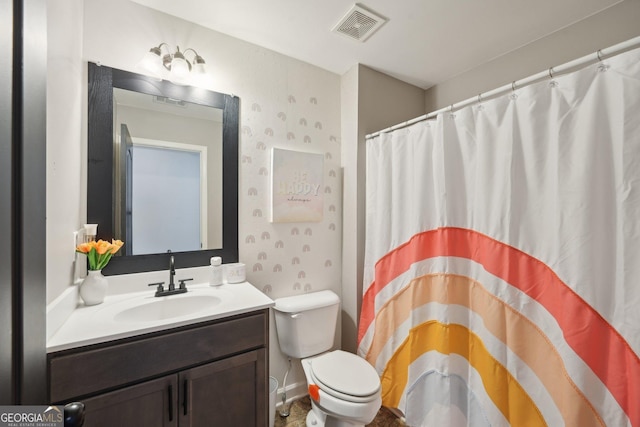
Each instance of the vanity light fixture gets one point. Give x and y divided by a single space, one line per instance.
176 64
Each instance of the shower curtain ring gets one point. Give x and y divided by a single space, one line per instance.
513 95
480 106
552 83
603 66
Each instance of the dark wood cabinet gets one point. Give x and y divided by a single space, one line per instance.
223 393
203 375
151 403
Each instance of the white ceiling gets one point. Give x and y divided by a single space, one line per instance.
424 42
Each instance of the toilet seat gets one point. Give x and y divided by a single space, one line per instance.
345 376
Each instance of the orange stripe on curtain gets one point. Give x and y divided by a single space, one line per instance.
582 326
505 392
522 336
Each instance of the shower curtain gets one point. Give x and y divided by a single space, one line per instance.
502 257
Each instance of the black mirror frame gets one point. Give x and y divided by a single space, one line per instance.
102 80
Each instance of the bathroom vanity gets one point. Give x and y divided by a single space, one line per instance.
204 368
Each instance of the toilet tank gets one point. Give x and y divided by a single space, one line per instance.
306 324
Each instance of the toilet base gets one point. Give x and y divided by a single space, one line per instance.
317 418
313 421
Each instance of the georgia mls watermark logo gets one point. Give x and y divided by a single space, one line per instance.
31 416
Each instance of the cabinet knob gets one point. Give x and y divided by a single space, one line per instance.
74 414
170 402
185 401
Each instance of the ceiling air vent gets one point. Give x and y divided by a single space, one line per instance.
359 23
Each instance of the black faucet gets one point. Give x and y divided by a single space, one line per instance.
172 273
171 289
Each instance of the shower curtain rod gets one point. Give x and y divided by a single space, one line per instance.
600 55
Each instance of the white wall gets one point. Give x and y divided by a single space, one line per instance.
66 178
350 257
284 103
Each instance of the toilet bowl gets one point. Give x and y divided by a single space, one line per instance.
347 393
344 388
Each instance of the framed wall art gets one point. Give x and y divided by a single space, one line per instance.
296 186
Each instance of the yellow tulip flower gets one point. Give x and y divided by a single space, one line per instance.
99 253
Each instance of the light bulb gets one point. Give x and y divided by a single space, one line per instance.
198 65
199 68
179 66
152 62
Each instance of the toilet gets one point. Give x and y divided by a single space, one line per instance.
344 388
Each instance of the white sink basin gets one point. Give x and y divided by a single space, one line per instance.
129 314
167 308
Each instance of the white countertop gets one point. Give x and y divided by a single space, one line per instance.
99 323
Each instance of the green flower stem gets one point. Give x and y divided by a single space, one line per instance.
93 259
96 261
103 260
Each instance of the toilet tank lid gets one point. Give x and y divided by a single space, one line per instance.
307 301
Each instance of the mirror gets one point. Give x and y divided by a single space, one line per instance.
135 123
166 150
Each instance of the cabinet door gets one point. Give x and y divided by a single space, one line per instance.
152 403
229 392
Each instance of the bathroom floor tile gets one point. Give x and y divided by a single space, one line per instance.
299 408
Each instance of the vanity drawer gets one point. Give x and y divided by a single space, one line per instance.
75 374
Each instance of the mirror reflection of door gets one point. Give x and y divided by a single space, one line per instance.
167 211
126 153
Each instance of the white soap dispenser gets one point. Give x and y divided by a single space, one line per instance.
215 277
